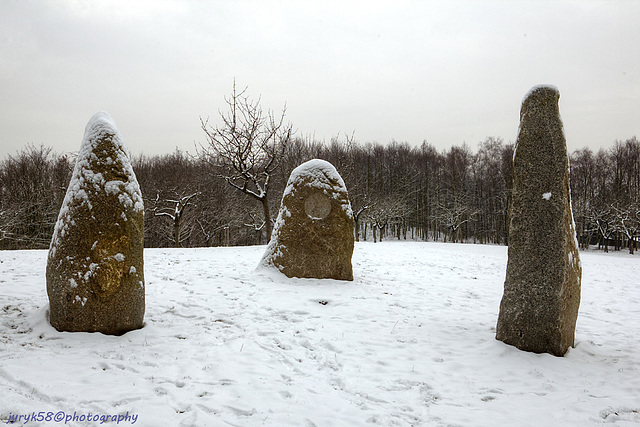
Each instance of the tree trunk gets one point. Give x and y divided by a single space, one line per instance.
356 228
267 218
176 233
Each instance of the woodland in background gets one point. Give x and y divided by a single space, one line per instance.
397 191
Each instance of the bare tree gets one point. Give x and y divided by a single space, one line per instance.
453 213
383 212
220 215
600 219
32 187
626 223
492 178
247 148
357 215
174 209
10 220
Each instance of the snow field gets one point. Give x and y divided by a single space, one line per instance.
410 342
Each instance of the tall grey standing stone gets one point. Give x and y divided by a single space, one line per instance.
95 276
539 307
313 235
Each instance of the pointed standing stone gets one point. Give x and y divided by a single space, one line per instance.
313 236
541 297
95 276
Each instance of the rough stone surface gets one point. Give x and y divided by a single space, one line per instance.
313 235
541 297
95 276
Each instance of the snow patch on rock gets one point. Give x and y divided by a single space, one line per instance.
319 174
129 193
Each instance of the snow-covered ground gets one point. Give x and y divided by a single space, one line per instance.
409 342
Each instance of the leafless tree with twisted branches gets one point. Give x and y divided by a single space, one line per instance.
246 148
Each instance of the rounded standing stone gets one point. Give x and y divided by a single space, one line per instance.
95 280
313 235
539 307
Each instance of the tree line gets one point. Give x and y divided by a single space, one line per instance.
226 193
397 191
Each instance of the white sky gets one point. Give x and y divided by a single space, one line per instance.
443 71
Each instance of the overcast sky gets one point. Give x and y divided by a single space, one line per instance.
447 72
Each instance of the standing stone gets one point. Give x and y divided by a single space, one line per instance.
95 277
313 236
541 297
